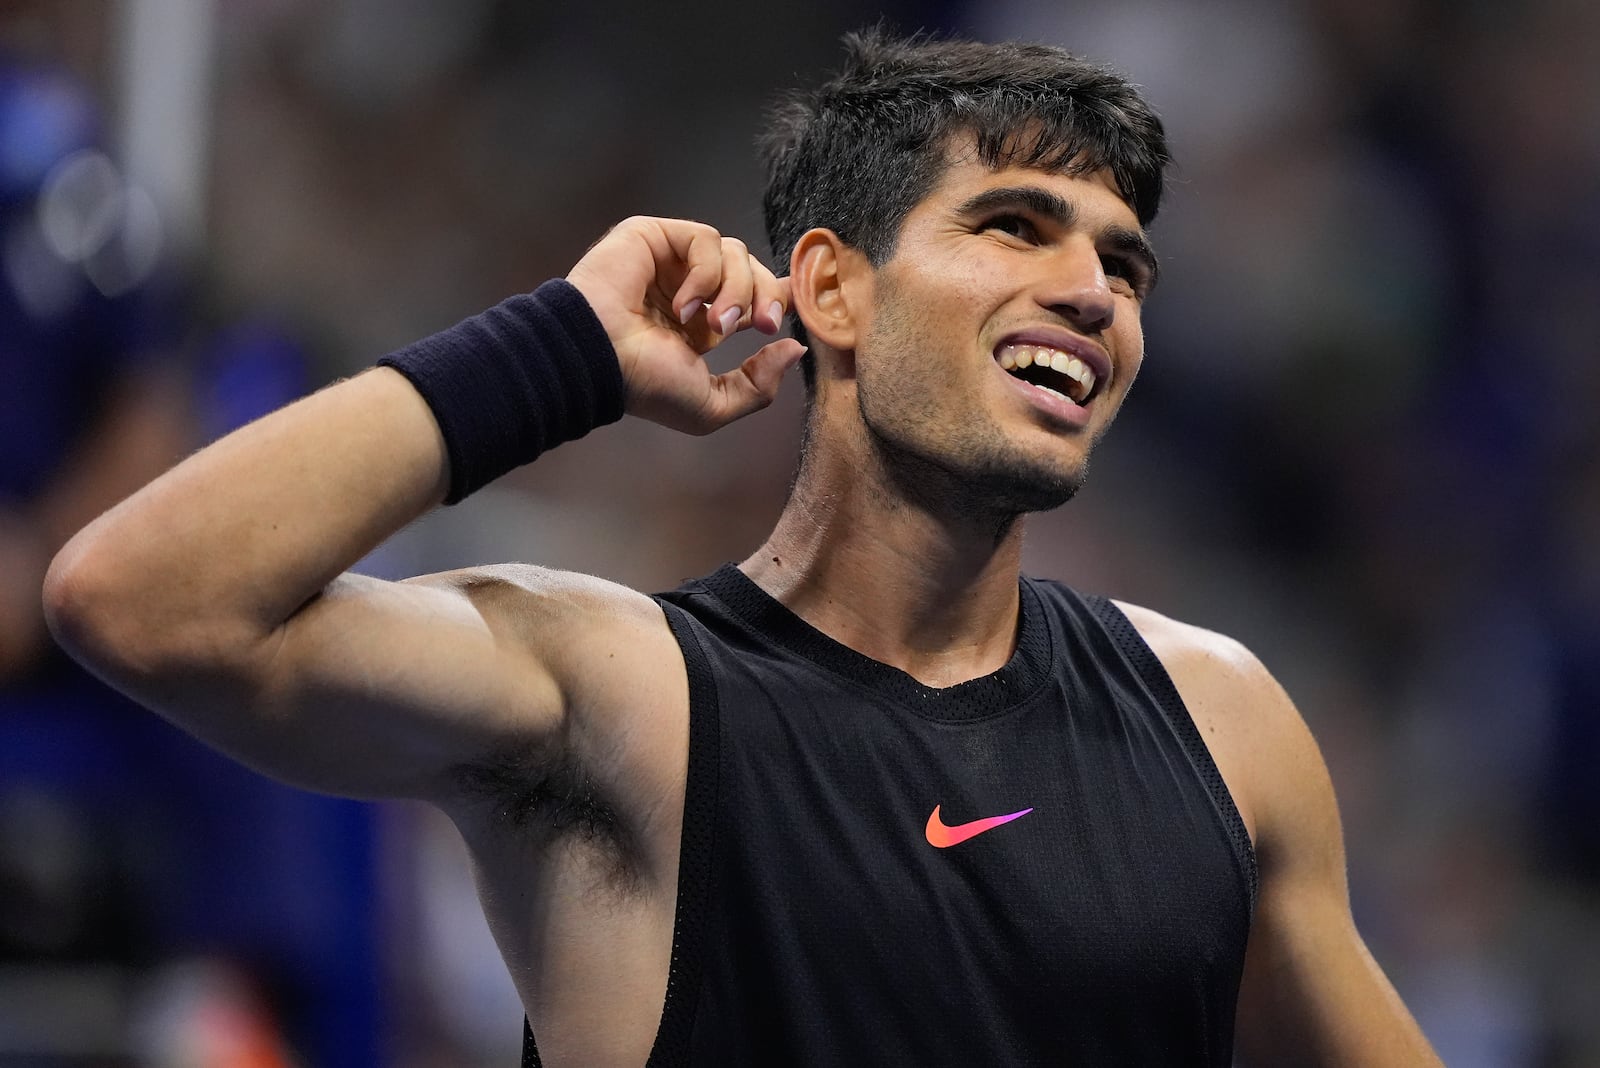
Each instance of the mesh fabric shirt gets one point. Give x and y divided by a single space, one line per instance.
1039 866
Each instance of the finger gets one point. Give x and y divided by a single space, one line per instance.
770 300
752 385
730 310
699 248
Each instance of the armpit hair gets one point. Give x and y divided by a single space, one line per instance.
547 798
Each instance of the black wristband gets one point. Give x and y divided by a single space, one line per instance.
522 377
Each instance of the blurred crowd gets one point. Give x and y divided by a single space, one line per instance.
1362 444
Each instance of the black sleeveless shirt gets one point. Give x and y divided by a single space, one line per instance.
1040 866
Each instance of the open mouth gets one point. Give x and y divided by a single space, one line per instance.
1051 370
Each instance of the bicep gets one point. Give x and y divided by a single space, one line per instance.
1312 992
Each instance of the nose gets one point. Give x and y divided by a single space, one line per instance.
1077 290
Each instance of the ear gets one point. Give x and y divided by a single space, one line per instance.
827 278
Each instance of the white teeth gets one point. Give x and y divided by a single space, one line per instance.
1016 357
1053 392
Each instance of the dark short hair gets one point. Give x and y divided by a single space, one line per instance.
856 154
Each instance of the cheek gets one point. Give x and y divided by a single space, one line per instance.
916 318
1127 340
1134 349
951 287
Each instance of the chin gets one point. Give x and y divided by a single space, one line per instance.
982 482
1020 488
978 472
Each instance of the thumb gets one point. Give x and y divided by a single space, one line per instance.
754 384
766 368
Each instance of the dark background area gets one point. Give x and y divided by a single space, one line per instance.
1363 444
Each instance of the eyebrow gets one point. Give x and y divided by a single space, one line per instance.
1063 213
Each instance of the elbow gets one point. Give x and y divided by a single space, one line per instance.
120 622
89 609
72 600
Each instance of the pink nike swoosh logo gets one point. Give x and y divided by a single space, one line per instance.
942 837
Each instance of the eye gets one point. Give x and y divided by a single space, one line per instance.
1012 225
1125 270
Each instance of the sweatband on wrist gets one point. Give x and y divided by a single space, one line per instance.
531 372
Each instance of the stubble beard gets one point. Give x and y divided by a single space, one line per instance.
963 468
982 478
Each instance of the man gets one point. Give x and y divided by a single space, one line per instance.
868 797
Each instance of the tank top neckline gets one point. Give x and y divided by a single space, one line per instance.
979 698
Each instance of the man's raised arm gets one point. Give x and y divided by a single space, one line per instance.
218 595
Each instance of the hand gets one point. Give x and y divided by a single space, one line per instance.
667 292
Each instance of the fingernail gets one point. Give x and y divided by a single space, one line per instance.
776 311
730 319
688 311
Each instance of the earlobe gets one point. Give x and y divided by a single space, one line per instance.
822 271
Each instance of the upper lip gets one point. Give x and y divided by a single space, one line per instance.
1063 341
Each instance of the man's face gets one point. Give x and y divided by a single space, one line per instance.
1004 282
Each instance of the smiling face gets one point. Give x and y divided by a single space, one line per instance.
1003 335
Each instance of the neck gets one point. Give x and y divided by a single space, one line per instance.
885 571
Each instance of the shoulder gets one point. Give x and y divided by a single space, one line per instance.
1211 664
1257 737
1205 666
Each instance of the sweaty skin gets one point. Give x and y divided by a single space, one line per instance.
219 596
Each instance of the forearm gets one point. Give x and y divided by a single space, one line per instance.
230 543
215 595
210 559
198 577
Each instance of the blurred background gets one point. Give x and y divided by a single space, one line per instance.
1363 444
